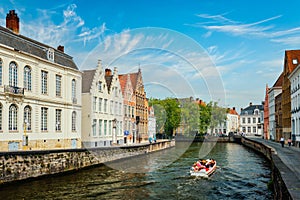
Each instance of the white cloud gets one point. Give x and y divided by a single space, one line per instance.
69 30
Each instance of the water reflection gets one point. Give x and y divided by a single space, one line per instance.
242 174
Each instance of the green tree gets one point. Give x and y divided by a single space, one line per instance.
218 116
167 113
204 117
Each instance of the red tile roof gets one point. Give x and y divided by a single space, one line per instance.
123 81
278 82
291 55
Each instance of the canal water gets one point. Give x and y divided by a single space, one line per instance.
241 174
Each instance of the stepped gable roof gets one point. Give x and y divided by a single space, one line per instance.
30 46
134 79
250 109
87 80
292 59
278 82
123 81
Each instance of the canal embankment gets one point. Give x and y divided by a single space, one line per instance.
22 165
284 162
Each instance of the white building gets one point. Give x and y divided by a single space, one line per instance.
251 119
40 93
294 78
232 121
102 107
273 92
230 124
151 122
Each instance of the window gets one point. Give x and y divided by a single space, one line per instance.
100 104
249 129
132 111
244 129
105 127
44 119
73 89
254 129
125 110
249 120
50 55
13 74
100 86
73 121
58 120
100 126
0 72
254 120
44 82
105 105
1 116
27 78
58 85
243 120
13 118
94 127
111 107
94 103
27 118
109 127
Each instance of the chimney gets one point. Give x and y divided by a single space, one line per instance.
250 104
233 108
12 21
107 72
61 48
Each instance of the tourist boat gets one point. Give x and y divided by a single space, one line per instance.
207 168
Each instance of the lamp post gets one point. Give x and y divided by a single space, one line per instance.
114 131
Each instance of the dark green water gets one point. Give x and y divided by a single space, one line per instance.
242 174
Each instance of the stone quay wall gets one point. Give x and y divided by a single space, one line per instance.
278 167
21 165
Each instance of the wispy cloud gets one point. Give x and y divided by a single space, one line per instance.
260 29
71 28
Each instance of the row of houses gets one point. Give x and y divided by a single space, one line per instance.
282 110
46 102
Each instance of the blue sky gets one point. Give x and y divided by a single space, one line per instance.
224 51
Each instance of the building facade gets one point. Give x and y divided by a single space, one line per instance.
141 106
291 60
294 78
129 121
266 115
251 120
278 117
102 106
40 92
151 123
232 121
275 90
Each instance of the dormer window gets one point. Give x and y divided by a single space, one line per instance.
295 61
50 54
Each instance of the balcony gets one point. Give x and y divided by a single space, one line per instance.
11 90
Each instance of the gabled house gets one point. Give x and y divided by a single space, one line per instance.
102 104
129 100
291 61
274 91
141 106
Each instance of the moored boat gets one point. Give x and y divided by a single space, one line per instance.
203 168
